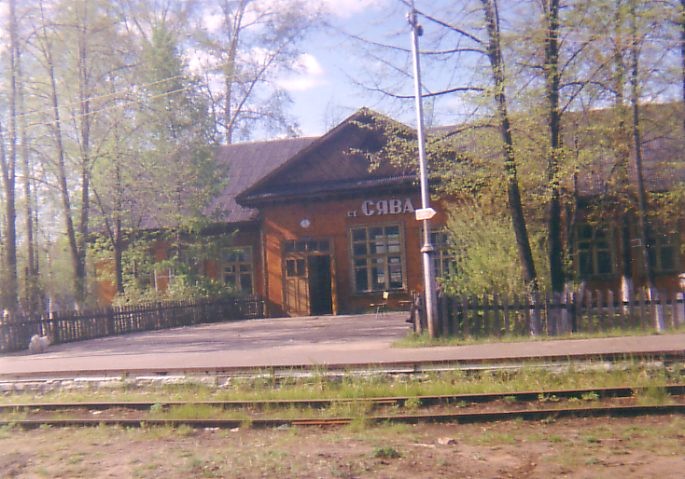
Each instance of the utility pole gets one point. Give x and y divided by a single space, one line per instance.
426 212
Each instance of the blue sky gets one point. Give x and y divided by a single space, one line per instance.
324 91
339 73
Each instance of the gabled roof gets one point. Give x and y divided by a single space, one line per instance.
247 163
333 164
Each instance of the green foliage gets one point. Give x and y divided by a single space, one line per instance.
386 452
483 243
412 404
590 396
181 271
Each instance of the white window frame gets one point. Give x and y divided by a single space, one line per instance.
386 256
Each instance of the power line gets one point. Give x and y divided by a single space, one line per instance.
113 107
113 95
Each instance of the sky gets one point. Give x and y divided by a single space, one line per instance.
336 75
325 90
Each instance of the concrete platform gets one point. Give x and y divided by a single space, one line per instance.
291 342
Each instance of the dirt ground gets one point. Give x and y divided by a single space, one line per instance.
648 447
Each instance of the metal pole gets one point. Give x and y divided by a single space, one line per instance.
427 248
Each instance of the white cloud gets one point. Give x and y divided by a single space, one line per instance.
199 61
347 8
212 21
307 73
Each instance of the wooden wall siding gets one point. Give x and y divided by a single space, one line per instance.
70 326
578 312
329 220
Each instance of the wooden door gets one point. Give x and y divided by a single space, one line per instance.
296 285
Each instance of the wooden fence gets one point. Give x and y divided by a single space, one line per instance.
581 312
69 326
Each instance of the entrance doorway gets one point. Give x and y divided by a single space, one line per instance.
307 274
321 300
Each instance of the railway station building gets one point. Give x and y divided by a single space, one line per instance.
328 232
316 226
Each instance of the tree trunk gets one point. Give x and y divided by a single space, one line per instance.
31 300
229 66
494 52
621 140
9 162
84 97
643 223
61 167
118 257
552 81
682 51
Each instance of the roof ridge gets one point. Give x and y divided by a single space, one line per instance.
272 140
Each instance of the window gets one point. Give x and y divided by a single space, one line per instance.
306 245
378 258
444 261
594 252
663 255
237 268
294 267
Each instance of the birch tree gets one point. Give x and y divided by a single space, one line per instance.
240 48
8 165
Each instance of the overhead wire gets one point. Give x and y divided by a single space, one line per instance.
111 95
112 107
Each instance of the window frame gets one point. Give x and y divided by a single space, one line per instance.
369 257
660 243
224 263
442 252
591 247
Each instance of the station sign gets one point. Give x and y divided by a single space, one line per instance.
424 214
394 206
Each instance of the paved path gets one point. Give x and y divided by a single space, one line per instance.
330 340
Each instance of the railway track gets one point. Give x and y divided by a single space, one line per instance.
460 418
399 401
40 380
526 405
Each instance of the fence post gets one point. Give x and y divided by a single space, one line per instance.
611 309
485 329
444 314
466 328
535 325
679 309
505 312
497 317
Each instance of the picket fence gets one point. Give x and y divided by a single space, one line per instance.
69 326
576 312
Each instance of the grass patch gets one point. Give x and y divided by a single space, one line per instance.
386 452
652 396
494 438
413 340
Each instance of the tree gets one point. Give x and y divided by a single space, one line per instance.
493 89
8 165
494 52
644 227
250 42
